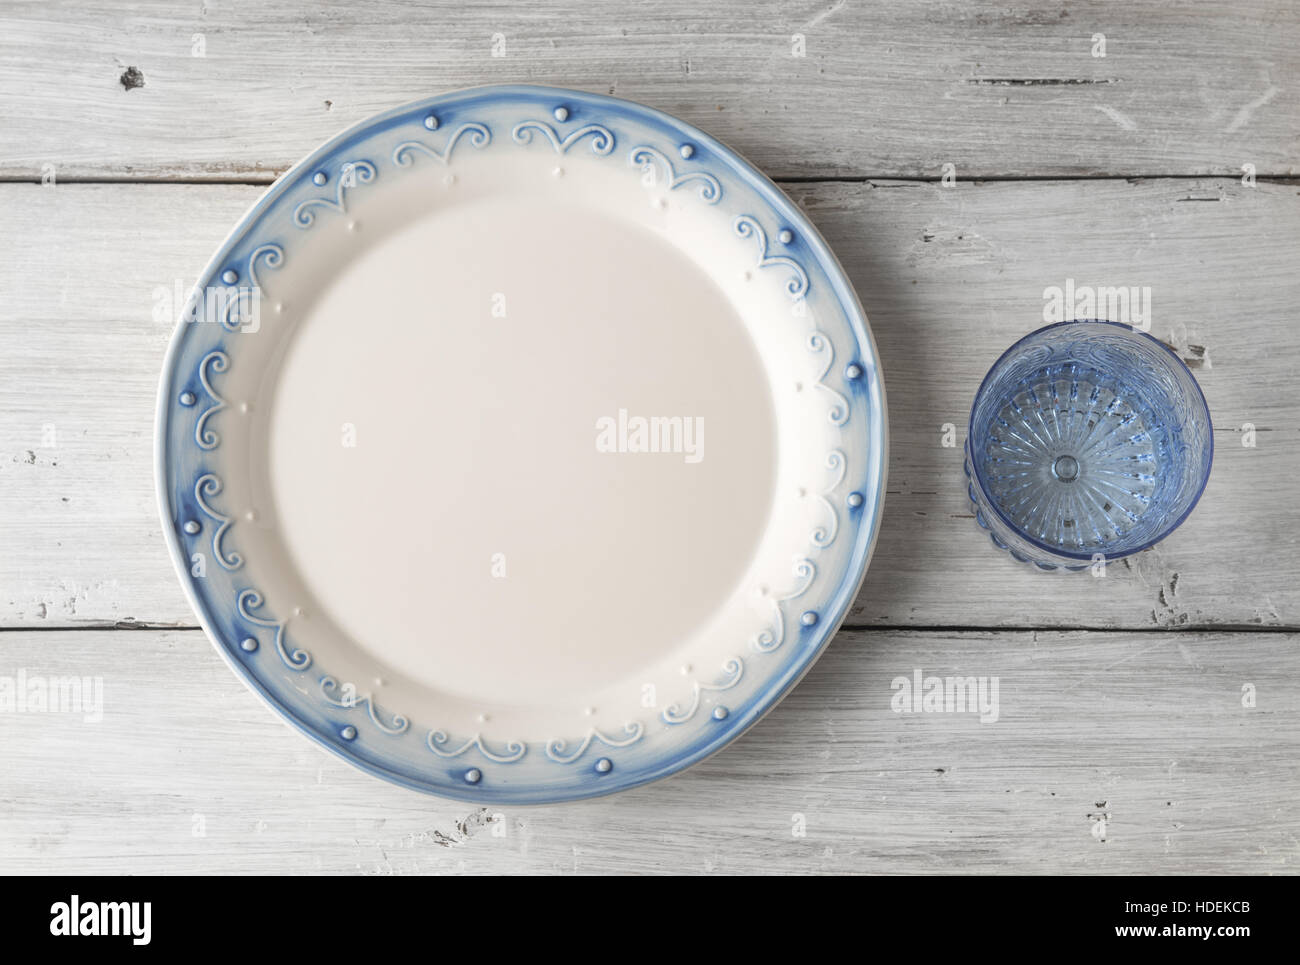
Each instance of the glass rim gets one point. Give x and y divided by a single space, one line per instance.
1056 550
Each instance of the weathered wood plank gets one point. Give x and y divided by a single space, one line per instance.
952 277
1112 753
882 89
949 276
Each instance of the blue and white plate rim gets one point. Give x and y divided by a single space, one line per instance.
834 613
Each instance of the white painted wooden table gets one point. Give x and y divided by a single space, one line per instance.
1149 721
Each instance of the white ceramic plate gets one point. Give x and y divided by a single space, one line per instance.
522 445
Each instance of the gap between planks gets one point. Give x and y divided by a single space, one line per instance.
1182 628
269 179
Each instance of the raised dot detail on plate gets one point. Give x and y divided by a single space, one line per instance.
558 172
251 516
431 122
809 618
449 180
188 398
473 776
244 408
720 713
229 276
687 151
853 371
248 644
319 178
348 733
855 500
352 226
604 765
192 527
785 236
561 113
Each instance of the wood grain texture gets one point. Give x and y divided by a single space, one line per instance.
949 276
1127 749
899 89
1113 753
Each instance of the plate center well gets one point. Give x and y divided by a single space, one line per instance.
461 450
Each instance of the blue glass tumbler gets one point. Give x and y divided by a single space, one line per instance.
1089 440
